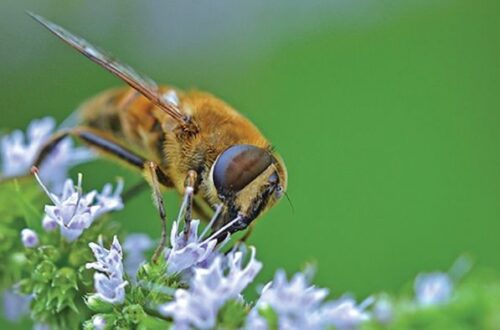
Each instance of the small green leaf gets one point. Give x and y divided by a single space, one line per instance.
32 216
232 315
98 305
270 315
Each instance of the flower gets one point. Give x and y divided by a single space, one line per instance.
29 238
134 246
299 305
433 289
344 314
74 211
295 303
383 310
186 252
210 289
191 250
15 305
99 322
49 224
110 200
19 151
108 281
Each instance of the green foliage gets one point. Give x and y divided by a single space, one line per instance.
232 315
153 287
475 304
54 272
271 317
17 210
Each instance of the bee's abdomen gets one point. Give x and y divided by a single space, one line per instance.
101 112
129 118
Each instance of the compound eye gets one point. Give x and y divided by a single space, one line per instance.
239 165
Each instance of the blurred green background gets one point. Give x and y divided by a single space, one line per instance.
386 112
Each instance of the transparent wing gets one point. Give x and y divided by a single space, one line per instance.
141 83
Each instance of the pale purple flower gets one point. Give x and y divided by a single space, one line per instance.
295 302
194 249
74 211
19 151
29 238
383 311
15 305
108 281
41 326
186 252
49 224
98 322
210 289
433 289
134 246
110 200
344 314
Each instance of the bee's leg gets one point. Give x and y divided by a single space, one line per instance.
103 144
187 204
152 173
49 146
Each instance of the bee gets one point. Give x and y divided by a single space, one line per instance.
189 141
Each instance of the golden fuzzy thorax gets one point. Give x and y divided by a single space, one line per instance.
134 122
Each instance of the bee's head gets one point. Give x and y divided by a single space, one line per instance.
249 180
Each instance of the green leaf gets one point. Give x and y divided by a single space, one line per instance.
232 315
270 315
20 197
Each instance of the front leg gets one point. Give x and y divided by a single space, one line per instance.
190 186
151 171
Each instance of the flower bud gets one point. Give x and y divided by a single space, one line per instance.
49 224
50 252
134 313
44 271
98 305
29 238
102 322
64 279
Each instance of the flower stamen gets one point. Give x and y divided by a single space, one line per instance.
218 210
221 230
35 171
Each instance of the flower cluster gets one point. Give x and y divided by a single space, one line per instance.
298 305
73 212
109 282
210 288
189 250
19 151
